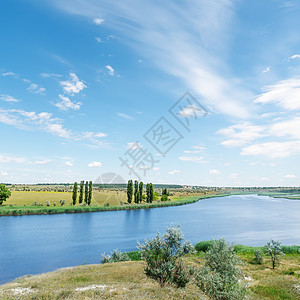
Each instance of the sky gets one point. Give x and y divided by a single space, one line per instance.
187 92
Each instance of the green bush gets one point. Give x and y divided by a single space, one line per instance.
203 246
115 256
164 198
162 254
258 257
290 249
134 255
220 278
274 250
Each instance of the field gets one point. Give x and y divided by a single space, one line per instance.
126 280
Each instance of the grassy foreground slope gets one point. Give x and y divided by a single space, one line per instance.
126 280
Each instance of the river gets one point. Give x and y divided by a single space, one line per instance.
42 243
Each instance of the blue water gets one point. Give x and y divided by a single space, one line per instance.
37 244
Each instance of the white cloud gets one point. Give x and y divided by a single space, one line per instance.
8 98
35 89
273 149
196 159
285 93
125 116
9 74
134 145
294 56
41 162
191 111
51 75
98 21
290 176
8 158
99 40
241 134
214 172
110 69
69 164
267 69
74 85
96 164
66 104
174 172
3 173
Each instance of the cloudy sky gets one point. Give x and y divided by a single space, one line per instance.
93 87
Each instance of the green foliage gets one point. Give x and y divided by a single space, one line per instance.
62 202
129 191
134 255
90 193
86 192
291 249
274 250
115 256
162 254
151 193
165 192
81 191
141 185
203 246
136 191
4 193
164 198
155 196
220 276
48 203
258 257
74 195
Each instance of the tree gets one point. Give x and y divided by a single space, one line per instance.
141 185
148 192
151 192
86 192
74 196
129 191
81 191
4 193
164 198
136 191
274 250
90 192
220 278
162 257
165 192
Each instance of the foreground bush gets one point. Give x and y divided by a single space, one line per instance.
115 256
162 256
220 277
274 250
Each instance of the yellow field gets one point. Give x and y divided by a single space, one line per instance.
99 198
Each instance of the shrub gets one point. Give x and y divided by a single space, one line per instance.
164 198
258 257
203 246
220 277
48 203
62 202
115 256
274 250
162 254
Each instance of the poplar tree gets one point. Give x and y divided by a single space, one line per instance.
148 192
90 192
141 185
151 193
136 191
129 191
86 192
81 191
74 196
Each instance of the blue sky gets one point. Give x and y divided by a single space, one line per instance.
82 82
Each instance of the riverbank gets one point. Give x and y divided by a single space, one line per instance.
126 280
44 210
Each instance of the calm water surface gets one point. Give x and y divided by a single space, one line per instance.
36 244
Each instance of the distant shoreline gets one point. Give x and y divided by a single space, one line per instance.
45 210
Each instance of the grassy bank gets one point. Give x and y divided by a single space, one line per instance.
39 210
126 280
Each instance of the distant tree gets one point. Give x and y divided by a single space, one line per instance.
148 192
62 202
151 192
81 191
136 191
141 185
129 191
86 192
164 198
90 193
274 250
74 196
4 193
165 192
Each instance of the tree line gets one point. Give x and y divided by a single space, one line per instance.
85 192
135 192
